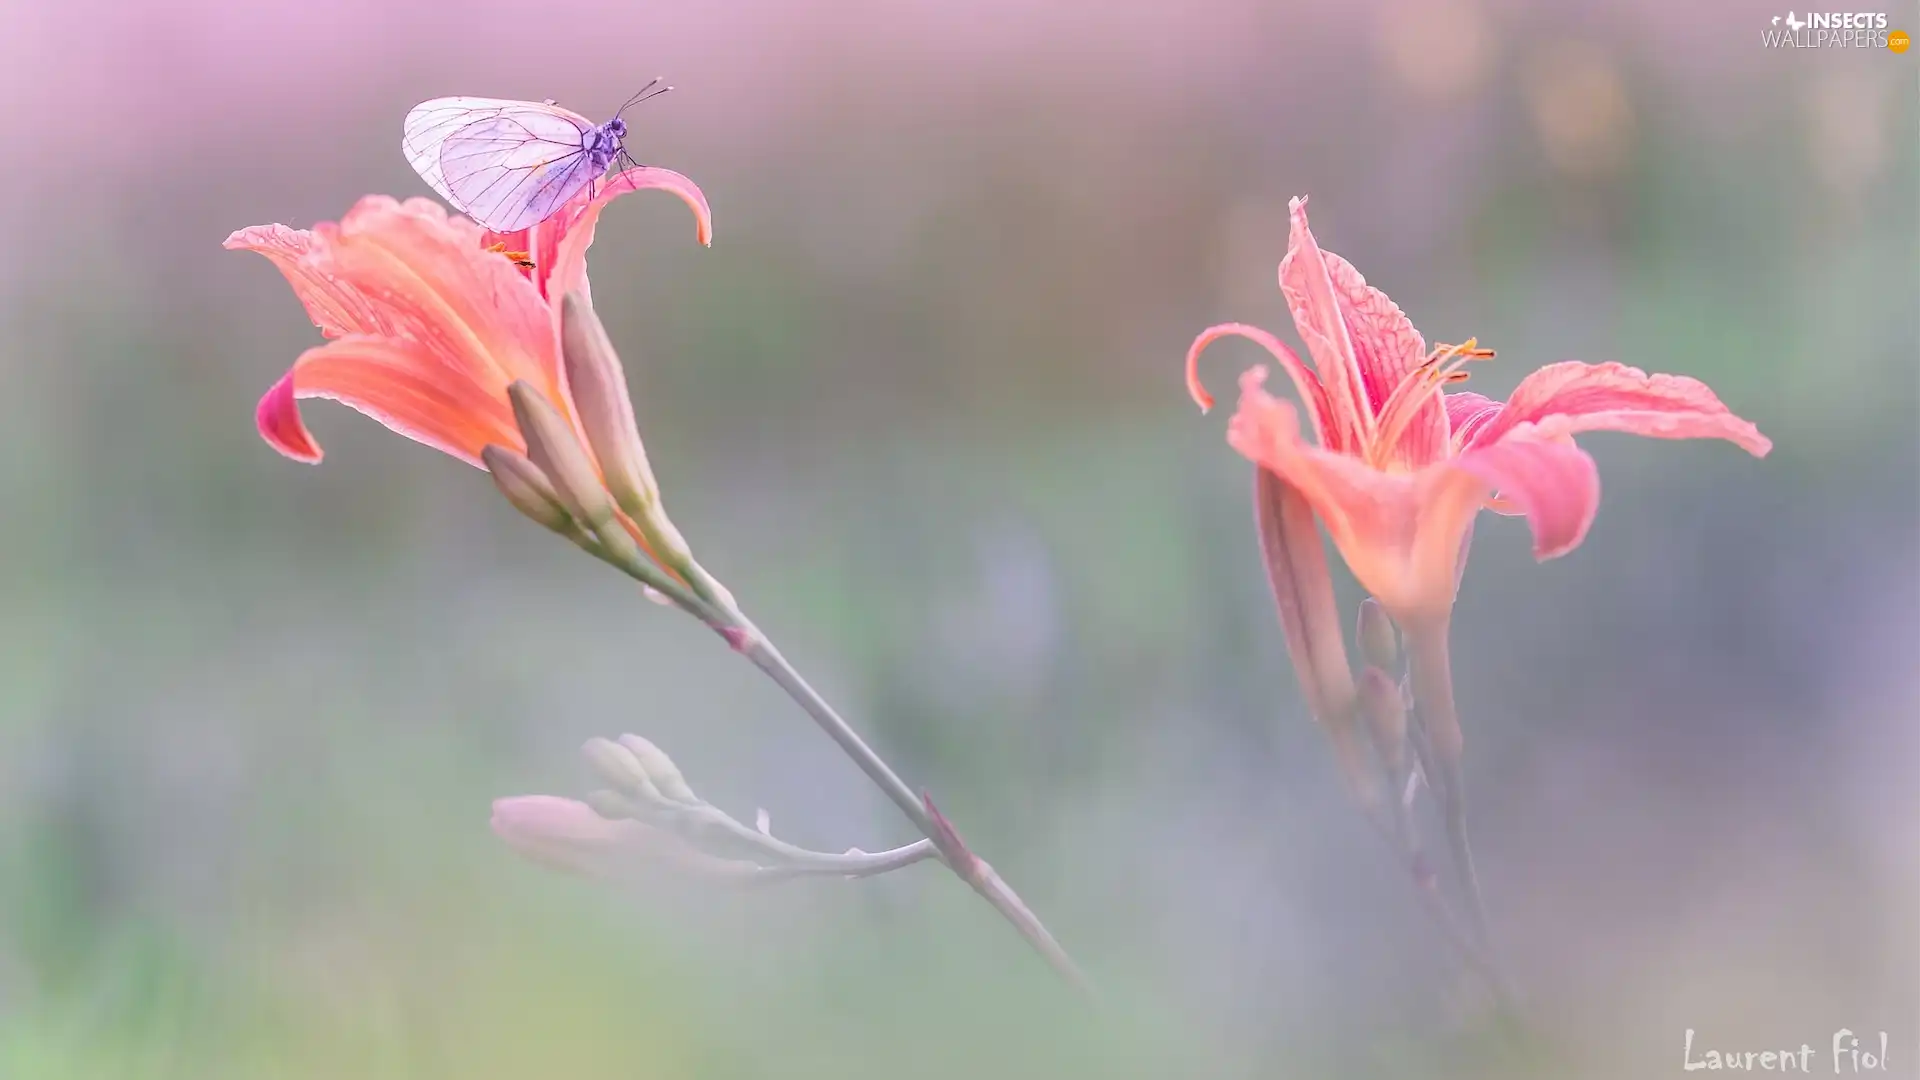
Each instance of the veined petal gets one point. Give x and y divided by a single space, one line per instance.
395 384
1306 282
435 281
1385 344
1615 397
560 244
1467 412
1547 478
1311 392
1388 350
1373 517
334 306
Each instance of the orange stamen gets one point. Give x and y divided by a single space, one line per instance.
521 259
1442 366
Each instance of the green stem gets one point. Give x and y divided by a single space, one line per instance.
964 863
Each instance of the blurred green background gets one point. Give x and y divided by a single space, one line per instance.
920 407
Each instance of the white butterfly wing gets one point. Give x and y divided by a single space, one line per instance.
508 174
506 164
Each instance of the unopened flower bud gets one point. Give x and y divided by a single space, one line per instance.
599 389
618 766
660 769
1385 712
553 448
528 489
561 833
598 386
585 838
1379 642
614 806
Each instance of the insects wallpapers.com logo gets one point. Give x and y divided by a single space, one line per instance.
1833 29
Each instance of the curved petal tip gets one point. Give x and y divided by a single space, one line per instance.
1211 334
1303 380
278 419
1550 480
1195 388
649 176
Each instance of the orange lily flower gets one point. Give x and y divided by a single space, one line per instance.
430 318
1399 468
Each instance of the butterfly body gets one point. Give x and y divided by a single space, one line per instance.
508 164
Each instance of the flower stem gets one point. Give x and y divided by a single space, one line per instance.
715 608
1431 673
967 866
852 864
1400 839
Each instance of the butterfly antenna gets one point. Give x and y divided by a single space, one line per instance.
646 92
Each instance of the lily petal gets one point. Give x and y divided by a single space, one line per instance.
1467 412
561 251
434 280
1389 350
1307 283
335 307
1303 592
1373 517
394 383
1311 392
1385 344
1615 397
1549 479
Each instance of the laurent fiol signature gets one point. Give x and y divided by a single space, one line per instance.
1846 1055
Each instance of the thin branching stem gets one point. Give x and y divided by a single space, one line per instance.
969 867
748 640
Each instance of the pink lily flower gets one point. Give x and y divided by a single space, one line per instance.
430 318
1397 468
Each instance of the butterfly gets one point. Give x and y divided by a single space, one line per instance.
509 165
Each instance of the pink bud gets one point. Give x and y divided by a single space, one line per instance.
567 835
598 387
553 446
528 489
561 833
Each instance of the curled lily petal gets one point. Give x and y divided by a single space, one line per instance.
389 382
1615 397
1553 482
1311 392
568 258
557 247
